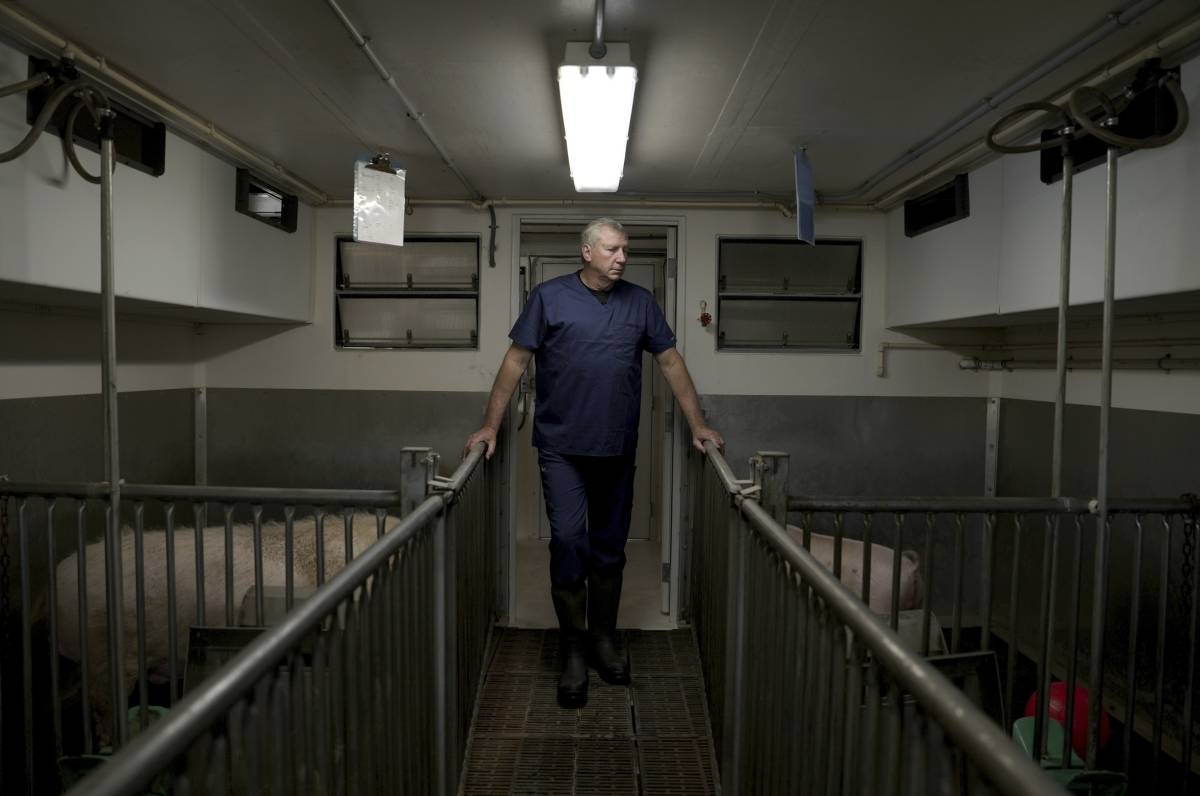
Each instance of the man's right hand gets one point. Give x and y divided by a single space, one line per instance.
484 434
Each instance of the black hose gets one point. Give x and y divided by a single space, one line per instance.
43 118
1013 149
1085 94
68 141
37 81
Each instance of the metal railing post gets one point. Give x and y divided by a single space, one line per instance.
445 646
735 653
771 474
414 477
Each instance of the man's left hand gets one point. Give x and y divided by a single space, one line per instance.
699 436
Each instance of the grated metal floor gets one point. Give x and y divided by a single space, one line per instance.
650 738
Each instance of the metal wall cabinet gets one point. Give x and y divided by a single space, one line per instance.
777 294
424 294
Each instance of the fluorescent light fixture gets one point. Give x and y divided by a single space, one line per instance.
597 103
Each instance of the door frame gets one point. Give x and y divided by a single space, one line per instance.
675 287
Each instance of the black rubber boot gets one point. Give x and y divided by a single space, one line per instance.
570 604
604 598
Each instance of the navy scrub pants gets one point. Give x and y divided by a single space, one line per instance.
589 500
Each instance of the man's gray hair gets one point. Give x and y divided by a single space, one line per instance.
592 230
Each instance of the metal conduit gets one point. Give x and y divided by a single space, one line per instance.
411 111
28 29
108 377
1111 22
974 154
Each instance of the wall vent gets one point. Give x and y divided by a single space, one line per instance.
937 208
264 202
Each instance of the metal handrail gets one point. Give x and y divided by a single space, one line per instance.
973 731
990 505
378 498
137 763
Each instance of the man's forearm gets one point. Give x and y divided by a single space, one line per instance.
680 382
503 388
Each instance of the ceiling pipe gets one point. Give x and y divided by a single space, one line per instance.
1165 363
598 49
1099 32
977 153
696 204
180 119
410 110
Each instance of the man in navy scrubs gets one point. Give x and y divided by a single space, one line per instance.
588 330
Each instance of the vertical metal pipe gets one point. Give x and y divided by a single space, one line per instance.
445 656
1189 700
198 520
26 642
1046 625
260 614
1064 298
927 598
796 650
1014 630
1160 657
139 568
52 622
851 744
319 530
734 655
866 563
1131 661
1073 638
870 761
839 533
1100 594
957 611
82 623
985 582
897 545
112 455
229 609
172 610
289 557
348 529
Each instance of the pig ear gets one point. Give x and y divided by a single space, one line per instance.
911 555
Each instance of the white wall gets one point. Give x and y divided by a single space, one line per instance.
53 354
305 357
953 271
1005 257
177 238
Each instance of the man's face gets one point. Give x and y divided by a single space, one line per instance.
606 257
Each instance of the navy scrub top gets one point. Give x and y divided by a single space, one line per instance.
589 363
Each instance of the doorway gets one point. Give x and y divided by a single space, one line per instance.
549 250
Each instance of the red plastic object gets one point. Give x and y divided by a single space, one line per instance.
1057 710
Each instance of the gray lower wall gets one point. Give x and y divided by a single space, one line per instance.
1151 454
61 438
846 445
332 438
872 446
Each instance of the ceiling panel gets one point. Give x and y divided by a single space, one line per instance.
726 90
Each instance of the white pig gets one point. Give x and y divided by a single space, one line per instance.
155 566
911 586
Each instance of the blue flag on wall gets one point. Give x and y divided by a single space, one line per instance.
806 197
